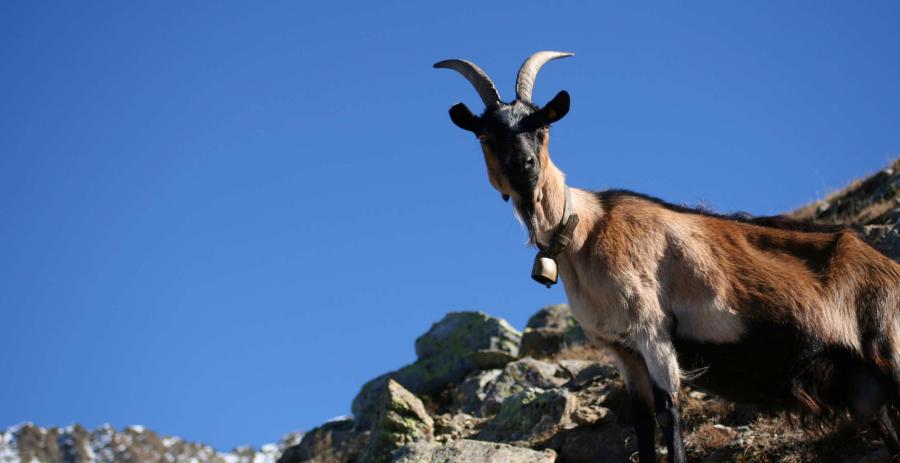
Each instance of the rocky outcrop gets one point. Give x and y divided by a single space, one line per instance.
454 347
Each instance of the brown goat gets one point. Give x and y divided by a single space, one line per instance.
766 310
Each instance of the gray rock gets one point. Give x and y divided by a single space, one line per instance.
448 427
401 420
886 237
487 359
333 442
556 317
464 332
550 331
575 367
532 417
468 451
601 443
450 350
469 395
518 376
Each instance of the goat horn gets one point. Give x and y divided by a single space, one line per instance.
476 76
529 70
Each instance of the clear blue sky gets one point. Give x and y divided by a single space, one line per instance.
219 219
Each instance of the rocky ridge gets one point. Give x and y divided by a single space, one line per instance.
27 443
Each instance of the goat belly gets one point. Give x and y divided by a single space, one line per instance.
757 369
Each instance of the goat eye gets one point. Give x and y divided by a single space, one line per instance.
482 138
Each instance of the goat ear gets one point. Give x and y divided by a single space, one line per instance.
463 118
556 108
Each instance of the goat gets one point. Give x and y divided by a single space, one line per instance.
765 310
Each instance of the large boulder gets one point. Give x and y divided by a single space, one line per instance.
465 332
532 417
467 451
550 331
334 442
457 345
401 420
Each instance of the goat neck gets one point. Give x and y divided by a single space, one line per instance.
550 203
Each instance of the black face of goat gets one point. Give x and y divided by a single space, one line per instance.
513 135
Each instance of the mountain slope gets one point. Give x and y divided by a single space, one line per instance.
28 443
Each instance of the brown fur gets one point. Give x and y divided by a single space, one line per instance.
637 267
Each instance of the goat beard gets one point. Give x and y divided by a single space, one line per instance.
525 213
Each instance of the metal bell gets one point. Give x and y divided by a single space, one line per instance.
544 270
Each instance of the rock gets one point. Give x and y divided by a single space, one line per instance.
549 331
531 417
401 420
518 376
464 332
366 400
469 395
487 359
575 367
333 442
466 451
449 427
602 443
598 389
450 350
886 237
556 317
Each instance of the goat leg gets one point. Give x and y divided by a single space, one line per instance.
668 415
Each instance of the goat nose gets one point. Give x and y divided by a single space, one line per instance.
530 164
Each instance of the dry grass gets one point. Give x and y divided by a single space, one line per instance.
854 192
718 431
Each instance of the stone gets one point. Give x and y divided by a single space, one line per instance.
469 451
450 350
886 237
550 331
532 417
401 420
601 443
556 317
518 376
469 395
449 427
334 442
487 359
464 332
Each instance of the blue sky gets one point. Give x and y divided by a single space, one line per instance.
219 219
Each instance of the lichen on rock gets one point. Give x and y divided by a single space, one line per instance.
401 420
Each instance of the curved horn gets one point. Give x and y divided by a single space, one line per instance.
529 70
476 76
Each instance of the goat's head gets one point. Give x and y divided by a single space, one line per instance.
514 135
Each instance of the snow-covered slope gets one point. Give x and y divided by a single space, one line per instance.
27 443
